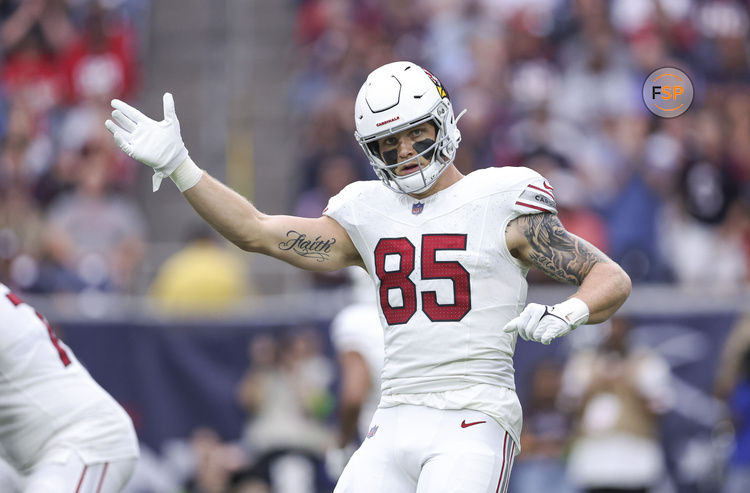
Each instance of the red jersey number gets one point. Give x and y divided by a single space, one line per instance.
431 269
396 279
55 341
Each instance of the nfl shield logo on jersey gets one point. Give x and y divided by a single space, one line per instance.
372 431
417 208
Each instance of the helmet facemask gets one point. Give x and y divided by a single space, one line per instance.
439 153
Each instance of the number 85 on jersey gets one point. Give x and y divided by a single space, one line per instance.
395 261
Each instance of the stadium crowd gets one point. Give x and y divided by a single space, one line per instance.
554 85
69 221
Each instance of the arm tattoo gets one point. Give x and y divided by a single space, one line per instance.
305 246
559 254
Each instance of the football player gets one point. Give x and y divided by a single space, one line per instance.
448 254
357 337
58 428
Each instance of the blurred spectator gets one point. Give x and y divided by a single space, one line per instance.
49 17
328 138
46 145
94 236
724 28
101 64
704 229
597 83
618 393
216 462
34 36
546 431
21 237
637 212
202 278
285 393
21 227
333 174
704 232
26 152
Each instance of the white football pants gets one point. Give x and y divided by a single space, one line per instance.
73 476
416 449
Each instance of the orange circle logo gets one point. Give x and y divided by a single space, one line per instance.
668 92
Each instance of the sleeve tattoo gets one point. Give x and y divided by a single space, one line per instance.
556 252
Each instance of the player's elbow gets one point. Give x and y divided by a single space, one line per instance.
624 285
613 283
619 286
616 280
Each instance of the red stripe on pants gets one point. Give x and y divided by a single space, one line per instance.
512 451
83 474
502 468
101 481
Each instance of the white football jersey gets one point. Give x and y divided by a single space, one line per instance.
446 283
357 328
49 404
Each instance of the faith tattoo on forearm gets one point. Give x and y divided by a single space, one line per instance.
558 253
304 246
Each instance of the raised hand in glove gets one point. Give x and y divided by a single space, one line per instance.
155 144
542 323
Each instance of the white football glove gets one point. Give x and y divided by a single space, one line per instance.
542 323
155 144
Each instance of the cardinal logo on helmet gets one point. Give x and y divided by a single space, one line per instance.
441 90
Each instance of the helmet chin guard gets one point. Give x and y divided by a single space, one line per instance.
396 97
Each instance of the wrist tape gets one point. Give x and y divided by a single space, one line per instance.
186 175
573 311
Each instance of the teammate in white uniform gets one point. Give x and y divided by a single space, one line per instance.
357 336
448 255
58 427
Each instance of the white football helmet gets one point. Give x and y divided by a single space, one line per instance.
398 96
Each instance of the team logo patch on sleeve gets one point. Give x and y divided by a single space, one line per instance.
537 198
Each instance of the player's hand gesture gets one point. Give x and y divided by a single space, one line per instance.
155 144
542 323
